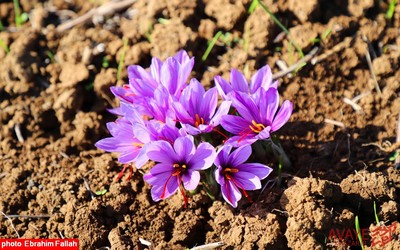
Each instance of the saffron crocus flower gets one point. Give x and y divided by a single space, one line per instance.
122 141
258 116
262 78
172 74
178 166
196 109
235 176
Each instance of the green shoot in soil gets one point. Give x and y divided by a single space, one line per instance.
105 62
211 45
390 10
163 20
394 156
101 192
279 175
4 46
253 6
376 215
122 59
50 55
358 230
282 27
20 18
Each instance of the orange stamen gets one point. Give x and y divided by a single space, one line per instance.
198 121
256 127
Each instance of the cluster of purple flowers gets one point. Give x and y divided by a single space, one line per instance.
182 127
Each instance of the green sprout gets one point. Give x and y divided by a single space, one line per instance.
4 46
275 19
1 25
390 10
163 20
358 230
376 215
323 36
101 192
122 59
20 18
211 45
253 6
394 156
50 55
105 62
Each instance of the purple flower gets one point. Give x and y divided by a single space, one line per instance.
196 109
235 176
258 116
122 141
172 74
262 78
131 134
178 166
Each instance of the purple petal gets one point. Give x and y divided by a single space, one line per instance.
191 130
240 155
223 87
222 158
191 180
191 97
246 106
128 156
222 110
142 157
137 72
234 124
282 116
264 134
269 103
247 180
161 151
123 93
203 157
208 104
239 82
238 141
231 193
260 170
184 148
155 68
262 78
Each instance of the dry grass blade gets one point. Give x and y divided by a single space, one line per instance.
354 105
11 223
368 57
106 9
208 246
333 122
338 47
295 66
18 133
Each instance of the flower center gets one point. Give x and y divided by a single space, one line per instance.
179 168
227 172
137 144
256 127
198 120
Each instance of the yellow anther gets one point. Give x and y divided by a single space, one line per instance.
256 127
136 144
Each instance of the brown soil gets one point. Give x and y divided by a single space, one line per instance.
55 90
